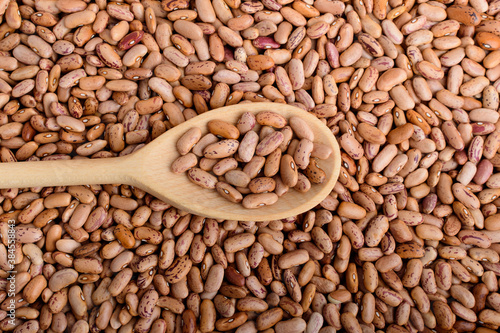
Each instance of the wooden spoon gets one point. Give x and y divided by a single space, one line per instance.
149 169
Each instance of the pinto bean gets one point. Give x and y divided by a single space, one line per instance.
410 90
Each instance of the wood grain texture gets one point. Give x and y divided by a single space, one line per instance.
149 169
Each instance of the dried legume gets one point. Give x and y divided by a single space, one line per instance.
408 240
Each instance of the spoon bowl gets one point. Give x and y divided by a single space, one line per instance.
149 169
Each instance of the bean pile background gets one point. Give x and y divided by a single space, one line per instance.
408 240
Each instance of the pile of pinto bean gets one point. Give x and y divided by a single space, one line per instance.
262 156
408 241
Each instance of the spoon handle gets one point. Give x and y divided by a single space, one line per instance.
113 170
